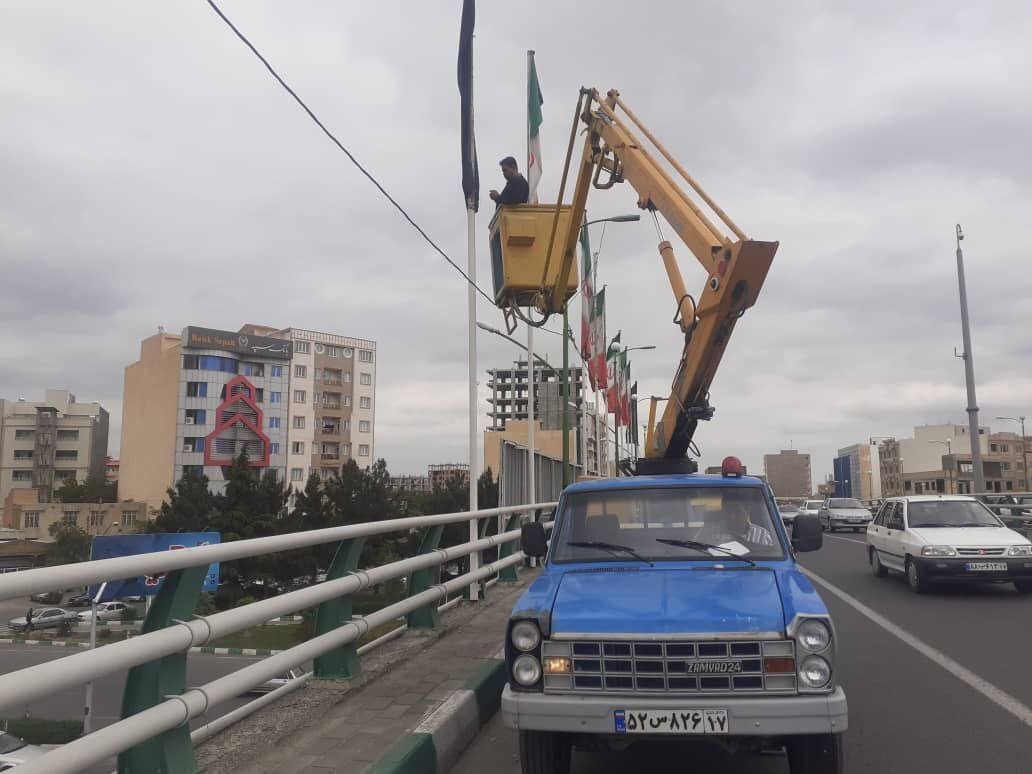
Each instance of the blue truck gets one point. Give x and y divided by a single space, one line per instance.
672 607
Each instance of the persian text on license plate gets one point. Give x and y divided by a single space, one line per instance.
671 721
986 566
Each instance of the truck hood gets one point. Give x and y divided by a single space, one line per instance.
668 601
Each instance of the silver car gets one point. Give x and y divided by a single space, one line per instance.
811 507
844 513
276 682
42 618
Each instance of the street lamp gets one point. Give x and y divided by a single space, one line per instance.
1024 460
949 453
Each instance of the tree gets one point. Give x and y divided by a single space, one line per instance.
189 507
358 496
487 490
71 544
93 490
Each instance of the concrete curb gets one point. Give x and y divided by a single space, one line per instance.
435 745
204 649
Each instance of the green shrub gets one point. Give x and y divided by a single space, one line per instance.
128 615
104 634
40 731
247 600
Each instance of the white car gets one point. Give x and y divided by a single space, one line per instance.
810 507
947 537
844 513
42 618
106 611
15 750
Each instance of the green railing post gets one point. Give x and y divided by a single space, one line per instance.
152 683
343 663
425 617
508 574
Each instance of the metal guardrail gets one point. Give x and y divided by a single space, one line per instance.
157 707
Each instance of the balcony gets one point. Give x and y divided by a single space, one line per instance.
331 430
330 455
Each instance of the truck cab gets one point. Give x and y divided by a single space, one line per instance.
672 607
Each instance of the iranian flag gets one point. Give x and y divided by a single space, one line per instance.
534 103
614 397
625 392
597 362
587 306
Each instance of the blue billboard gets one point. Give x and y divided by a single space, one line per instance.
111 546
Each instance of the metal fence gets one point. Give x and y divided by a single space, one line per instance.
153 734
512 475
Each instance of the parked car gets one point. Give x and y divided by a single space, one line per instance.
106 611
947 537
15 750
277 682
132 598
42 618
788 513
844 513
48 597
811 507
79 600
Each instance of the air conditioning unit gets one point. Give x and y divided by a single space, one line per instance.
187 448
189 420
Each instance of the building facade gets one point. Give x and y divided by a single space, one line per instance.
510 394
788 473
858 472
30 519
42 443
286 397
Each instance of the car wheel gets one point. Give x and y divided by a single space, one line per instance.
815 754
916 577
544 752
879 569
1023 586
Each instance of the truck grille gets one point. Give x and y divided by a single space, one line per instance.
672 667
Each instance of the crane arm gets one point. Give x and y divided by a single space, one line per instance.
736 266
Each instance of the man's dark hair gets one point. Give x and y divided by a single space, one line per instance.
509 161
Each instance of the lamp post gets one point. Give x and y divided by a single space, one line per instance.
1024 460
969 371
949 453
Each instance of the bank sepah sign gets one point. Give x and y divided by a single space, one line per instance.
239 343
112 546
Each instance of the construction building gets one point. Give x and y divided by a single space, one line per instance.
788 473
439 475
296 401
42 443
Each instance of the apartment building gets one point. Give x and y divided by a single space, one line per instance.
42 443
788 473
296 401
858 472
30 519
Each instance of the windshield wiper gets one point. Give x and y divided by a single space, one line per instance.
611 547
704 547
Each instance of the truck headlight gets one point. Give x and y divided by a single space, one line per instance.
1019 551
813 635
526 670
814 672
938 551
525 636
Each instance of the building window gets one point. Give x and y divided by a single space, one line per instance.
70 517
274 422
333 351
274 448
365 355
193 471
23 454
215 363
252 369
966 467
363 426
300 371
96 518
195 416
365 402
277 370
297 447
23 435
30 519
347 377
193 444
67 454
1005 448
347 425
128 518
68 435
299 396
302 347
275 397
299 423
21 475
363 450
190 362
1004 465
197 389
365 379
347 400
259 395
297 474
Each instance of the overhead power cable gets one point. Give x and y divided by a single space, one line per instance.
348 153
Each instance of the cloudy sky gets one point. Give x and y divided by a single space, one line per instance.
154 174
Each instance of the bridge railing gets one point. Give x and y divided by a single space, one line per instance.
153 734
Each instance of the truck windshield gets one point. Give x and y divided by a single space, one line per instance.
737 518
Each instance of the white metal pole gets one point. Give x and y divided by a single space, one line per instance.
532 462
87 716
598 435
474 558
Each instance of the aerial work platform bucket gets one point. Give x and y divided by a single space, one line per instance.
519 243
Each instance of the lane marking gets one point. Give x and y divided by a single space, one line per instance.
847 540
991 692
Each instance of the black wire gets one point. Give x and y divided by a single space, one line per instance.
338 143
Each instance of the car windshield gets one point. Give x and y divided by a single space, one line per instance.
788 508
9 742
625 525
951 513
812 505
844 502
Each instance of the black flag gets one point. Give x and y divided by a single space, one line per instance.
470 174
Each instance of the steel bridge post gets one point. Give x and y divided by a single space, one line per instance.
419 581
343 663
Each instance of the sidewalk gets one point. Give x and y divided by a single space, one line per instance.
357 725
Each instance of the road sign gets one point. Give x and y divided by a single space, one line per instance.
111 546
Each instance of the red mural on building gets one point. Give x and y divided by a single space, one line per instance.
238 428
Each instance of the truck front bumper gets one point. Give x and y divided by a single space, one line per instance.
747 716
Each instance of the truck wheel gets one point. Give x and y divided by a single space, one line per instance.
879 569
916 577
543 752
816 754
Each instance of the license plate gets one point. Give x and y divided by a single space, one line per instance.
986 566
672 721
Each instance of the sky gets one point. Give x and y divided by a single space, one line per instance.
154 174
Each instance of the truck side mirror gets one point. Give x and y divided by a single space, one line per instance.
807 534
532 539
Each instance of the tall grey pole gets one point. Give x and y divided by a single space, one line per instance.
969 372
474 451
